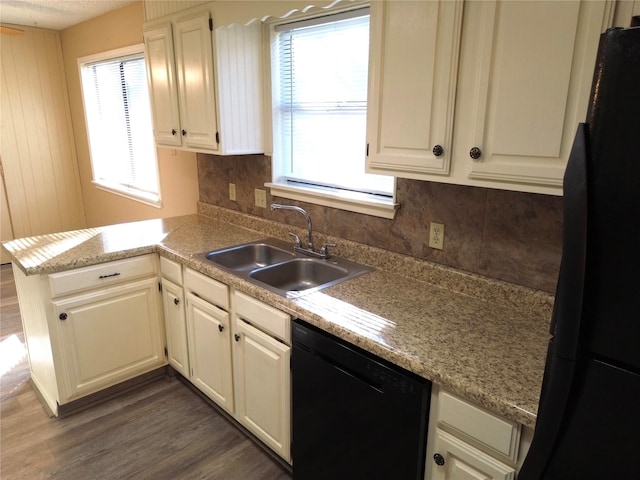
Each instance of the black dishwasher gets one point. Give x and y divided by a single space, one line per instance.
355 416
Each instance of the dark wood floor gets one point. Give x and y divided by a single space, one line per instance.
159 431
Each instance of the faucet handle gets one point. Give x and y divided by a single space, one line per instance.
325 249
296 238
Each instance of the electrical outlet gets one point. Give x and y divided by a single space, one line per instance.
436 235
232 192
261 198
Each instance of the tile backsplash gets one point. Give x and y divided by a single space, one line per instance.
511 236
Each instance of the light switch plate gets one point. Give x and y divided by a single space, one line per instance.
232 192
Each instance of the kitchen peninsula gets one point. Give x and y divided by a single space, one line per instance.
481 339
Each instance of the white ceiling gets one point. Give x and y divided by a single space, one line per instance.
55 14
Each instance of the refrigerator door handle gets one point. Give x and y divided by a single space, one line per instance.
567 309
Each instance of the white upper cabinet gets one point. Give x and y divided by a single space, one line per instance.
413 67
524 85
194 69
205 98
162 85
508 80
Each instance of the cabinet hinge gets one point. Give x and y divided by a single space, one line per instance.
367 150
211 24
217 138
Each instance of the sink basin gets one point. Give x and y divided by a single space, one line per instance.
299 274
271 263
249 256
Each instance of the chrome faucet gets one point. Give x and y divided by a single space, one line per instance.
309 249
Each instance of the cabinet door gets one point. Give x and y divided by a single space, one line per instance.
524 84
194 65
412 83
210 350
108 336
263 386
175 327
460 461
163 90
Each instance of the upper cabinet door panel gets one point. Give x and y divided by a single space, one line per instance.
526 84
412 84
162 85
194 65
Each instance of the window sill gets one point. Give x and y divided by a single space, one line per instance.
329 197
151 200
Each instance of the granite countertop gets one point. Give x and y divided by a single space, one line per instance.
482 339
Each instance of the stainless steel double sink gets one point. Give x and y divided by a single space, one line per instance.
272 264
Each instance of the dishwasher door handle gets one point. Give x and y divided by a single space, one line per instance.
350 372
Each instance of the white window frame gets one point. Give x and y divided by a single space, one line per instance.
154 200
358 202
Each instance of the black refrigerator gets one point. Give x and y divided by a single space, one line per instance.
588 423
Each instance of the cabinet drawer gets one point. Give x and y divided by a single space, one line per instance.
171 270
262 316
104 274
207 288
499 434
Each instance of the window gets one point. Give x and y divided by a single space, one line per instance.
119 128
319 97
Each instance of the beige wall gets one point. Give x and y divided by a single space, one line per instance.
178 171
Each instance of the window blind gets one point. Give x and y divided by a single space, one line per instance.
119 125
321 102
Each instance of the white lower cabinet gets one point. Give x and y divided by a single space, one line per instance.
210 350
262 374
109 336
238 355
91 328
458 460
175 326
175 322
208 334
467 442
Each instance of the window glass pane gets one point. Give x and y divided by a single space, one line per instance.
320 104
119 125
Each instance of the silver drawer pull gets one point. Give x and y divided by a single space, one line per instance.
108 276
